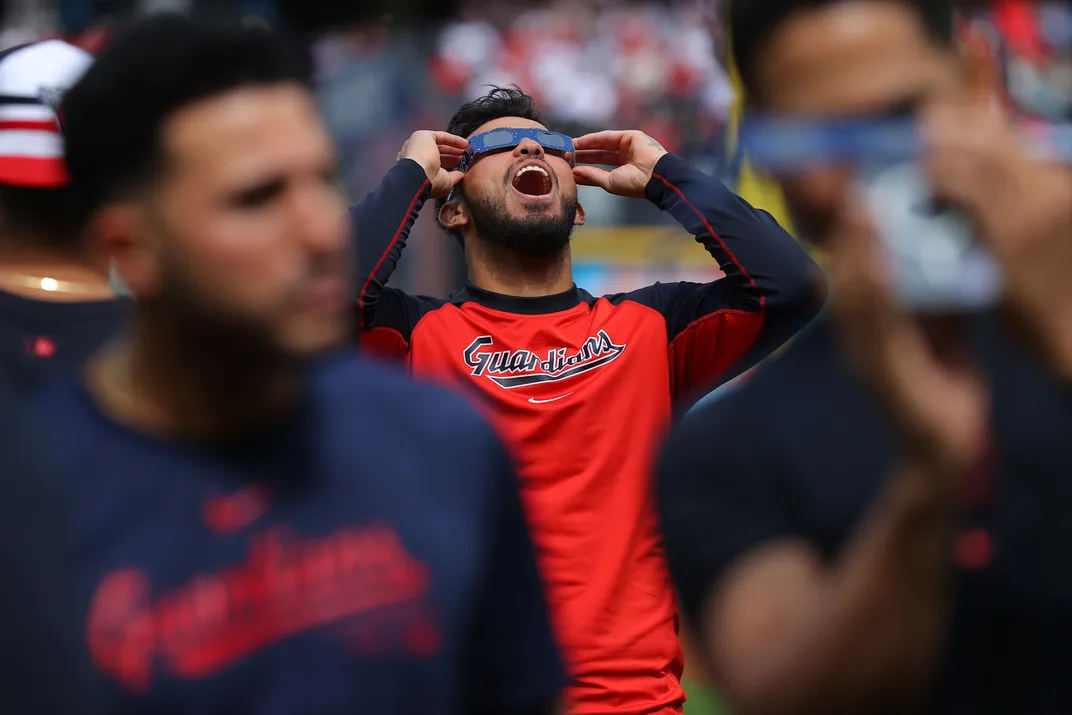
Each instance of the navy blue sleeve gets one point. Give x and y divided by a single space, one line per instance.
514 665
721 494
771 289
381 224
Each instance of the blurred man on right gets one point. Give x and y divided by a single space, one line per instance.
884 528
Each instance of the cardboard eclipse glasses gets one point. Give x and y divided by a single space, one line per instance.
498 139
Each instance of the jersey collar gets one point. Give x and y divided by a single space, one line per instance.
523 306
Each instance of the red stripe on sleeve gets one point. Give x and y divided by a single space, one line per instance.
714 235
390 246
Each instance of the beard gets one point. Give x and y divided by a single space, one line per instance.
541 234
202 319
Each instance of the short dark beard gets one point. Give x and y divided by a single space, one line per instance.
204 321
541 234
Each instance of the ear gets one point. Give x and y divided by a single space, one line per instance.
454 215
981 67
123 233
580 217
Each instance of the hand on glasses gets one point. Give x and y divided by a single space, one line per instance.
439 154
634 153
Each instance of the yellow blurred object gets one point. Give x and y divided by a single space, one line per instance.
758 190
638 246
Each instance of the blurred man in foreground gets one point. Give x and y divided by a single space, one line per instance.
258 534
44 664
582 385
56 305
842 553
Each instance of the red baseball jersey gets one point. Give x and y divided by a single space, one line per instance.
583 388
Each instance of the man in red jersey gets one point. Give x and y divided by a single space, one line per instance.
583 387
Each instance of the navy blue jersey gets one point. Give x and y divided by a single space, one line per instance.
44 668
366 555
40 339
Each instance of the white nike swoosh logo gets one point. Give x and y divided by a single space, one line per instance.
534 401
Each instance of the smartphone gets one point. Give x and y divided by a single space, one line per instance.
937 264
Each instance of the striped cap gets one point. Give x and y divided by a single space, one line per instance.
33 79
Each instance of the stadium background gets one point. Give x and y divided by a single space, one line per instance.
389 67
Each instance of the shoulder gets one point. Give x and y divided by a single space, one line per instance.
390 402
61 408
415 439
723 421
63 426
773 411
768 393
650 295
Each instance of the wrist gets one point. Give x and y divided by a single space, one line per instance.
1052 310
947 474
926 489
424 167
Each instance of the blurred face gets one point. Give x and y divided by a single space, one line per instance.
524 198
245 232
850 59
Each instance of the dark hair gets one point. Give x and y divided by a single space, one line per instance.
44 218
500 102
114 116
752 23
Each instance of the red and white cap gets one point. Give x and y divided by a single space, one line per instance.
33 79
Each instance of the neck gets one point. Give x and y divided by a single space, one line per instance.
177 385
79 277
500 270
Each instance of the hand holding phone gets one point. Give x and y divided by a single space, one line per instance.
935 261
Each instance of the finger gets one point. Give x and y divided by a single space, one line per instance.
884 339
599 156
609 140
447 149
450 161
446 139
591 176
939 122
861 301
445 182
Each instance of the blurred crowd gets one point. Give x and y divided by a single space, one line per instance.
592 66
1036 52
654 65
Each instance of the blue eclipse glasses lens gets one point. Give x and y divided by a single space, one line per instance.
498 139
784 144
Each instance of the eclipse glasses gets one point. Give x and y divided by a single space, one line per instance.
936 262
554 143
788 144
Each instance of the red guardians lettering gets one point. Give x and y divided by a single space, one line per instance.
285 587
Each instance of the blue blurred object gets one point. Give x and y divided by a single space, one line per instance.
779 144
936 262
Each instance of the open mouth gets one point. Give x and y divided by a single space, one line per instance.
533 181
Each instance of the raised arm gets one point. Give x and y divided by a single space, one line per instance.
381 224
785 630
772 287
1022 209
782 631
